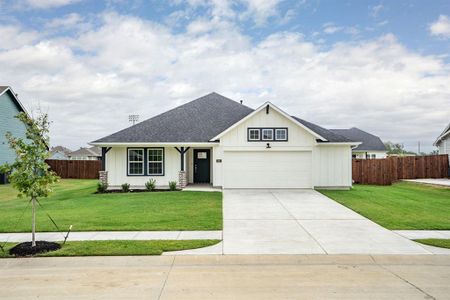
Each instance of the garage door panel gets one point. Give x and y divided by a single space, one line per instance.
263 169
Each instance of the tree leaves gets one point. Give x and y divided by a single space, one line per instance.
29 173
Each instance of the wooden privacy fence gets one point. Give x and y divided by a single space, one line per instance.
387 170
80 169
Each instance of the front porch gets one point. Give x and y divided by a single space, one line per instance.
201 187
187 164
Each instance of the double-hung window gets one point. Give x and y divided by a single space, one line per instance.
253 134
267 134
281 134
155 158
136 161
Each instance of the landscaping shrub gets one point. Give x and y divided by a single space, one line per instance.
172 185
125 187
150 185
102 187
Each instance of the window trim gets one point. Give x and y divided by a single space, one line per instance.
162 162
262 134
128 161
145 169
257 130
275 135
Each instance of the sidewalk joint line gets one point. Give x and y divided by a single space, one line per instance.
406 281
298 223
167 277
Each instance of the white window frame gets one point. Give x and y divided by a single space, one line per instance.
250 136
135 161
285 134
262 134
155 161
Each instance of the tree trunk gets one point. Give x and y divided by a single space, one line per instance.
33 225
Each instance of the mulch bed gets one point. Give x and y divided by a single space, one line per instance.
25 249
135 191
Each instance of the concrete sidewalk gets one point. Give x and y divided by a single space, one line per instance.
424 234
114 235
434 181
227 277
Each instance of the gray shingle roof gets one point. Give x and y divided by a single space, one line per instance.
197 121
325 133
86 152
2 88
369 141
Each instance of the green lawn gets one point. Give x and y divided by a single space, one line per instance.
443 243
74 203
402 205
111 248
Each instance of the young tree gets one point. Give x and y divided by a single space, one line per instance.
29 174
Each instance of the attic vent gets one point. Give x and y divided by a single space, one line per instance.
267 109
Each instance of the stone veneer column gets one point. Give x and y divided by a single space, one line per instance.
182 179
103 176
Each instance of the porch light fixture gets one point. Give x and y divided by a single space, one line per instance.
268 146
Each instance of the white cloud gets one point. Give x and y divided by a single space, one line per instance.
14 36
330 28
43 4
91 82
441 27
376 9
257 10
261 10
68 21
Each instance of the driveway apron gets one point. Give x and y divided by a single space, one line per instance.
302 222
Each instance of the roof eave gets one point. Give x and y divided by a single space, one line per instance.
15 98
174 144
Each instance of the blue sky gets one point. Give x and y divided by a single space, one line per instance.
382 66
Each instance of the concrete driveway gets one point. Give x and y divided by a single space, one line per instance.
302 222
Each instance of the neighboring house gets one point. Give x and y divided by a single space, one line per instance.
443 141
218 141
93 153
371 146
59 153
10 107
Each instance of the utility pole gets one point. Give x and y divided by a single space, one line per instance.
418 146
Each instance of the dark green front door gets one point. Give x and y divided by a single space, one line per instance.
201 165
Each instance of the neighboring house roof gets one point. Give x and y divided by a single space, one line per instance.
369 141
199 121
4 89
443 135
327 134
86 152
61 149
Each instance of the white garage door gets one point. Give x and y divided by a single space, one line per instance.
264 169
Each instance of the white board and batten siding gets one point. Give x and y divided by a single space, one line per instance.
444 146
116 165
299 162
